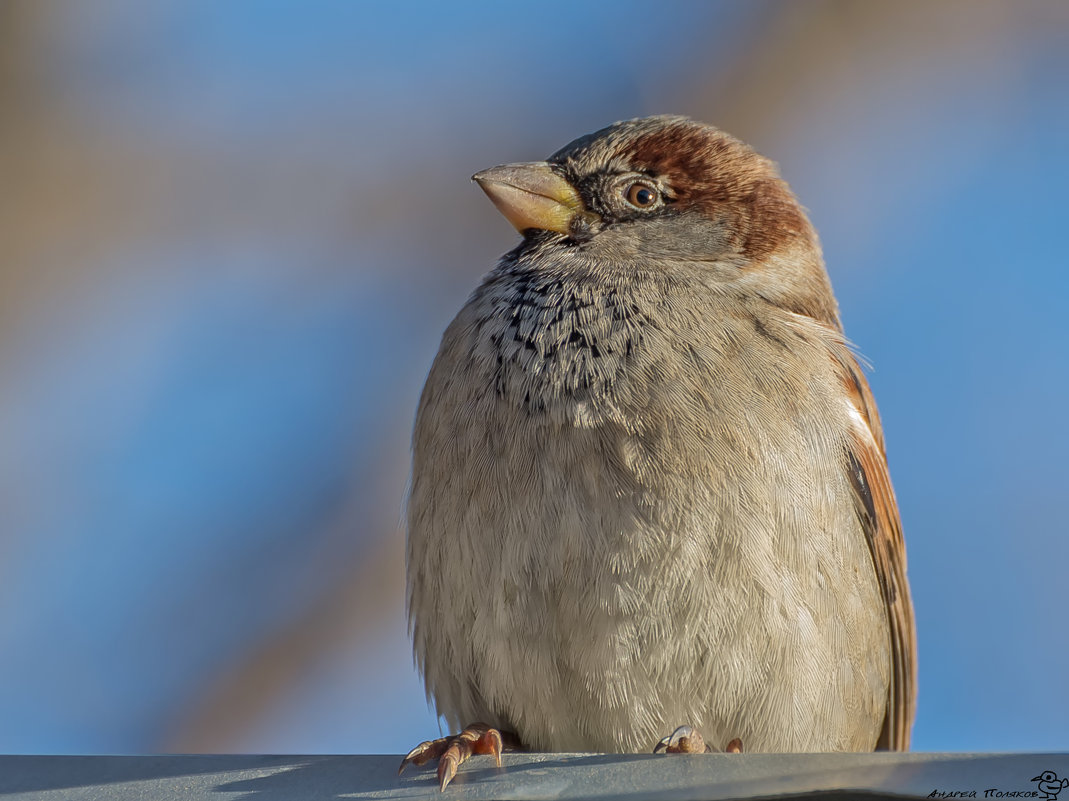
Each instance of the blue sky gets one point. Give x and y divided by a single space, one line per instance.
206 416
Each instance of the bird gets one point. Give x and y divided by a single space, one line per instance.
649 489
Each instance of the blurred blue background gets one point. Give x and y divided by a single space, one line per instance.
232 233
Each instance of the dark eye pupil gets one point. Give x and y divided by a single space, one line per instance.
641 196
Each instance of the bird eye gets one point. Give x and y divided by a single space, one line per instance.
642 196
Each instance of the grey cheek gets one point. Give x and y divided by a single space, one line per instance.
687 237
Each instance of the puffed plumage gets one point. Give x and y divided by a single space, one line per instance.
649 484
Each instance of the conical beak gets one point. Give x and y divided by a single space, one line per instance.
531 196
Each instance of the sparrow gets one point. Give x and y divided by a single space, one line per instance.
649 485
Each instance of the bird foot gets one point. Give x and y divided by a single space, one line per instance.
688 740
453 751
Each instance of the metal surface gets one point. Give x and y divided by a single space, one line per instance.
529 776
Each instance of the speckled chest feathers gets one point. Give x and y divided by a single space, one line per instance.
560 344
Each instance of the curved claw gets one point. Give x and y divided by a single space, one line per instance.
684 740
423 753
447 768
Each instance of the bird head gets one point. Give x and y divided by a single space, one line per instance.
670 195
